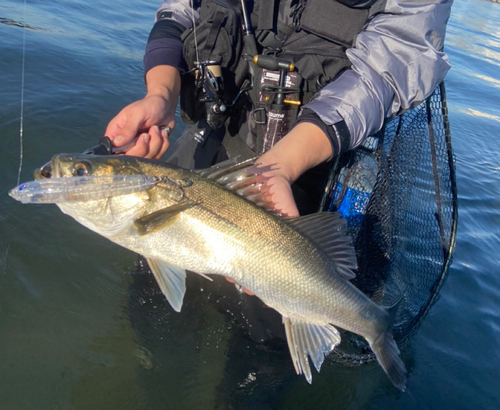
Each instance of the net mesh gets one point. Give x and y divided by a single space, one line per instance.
398 195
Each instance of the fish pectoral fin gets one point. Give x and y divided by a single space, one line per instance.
327 230
311 339
171 279
161 219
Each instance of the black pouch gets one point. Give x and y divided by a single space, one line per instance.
317 50
218 37
319 17
317 60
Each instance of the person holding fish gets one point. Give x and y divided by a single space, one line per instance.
294 84
241 70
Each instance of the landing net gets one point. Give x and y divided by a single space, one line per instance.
398 193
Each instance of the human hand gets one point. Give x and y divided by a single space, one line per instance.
142 119
304 147
240 287
276 188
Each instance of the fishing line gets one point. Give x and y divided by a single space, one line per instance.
21 116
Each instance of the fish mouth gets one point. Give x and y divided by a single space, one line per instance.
47 171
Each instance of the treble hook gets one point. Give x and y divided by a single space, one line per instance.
179 184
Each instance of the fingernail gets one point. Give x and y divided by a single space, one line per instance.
118 140
146 138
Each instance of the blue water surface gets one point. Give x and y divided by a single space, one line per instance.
80 328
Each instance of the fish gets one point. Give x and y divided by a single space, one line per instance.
214 222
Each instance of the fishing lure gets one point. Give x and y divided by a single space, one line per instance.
86 188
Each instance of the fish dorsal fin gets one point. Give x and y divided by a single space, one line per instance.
224 167
244 178
158 220
327 230
310 339
171 279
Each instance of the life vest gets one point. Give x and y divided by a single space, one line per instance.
312 34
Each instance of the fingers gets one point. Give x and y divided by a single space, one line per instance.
159 142
141 146
240 287
124 127
151 145
138 121
114 127
276 193
128 131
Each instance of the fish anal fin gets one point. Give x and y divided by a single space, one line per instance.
161 219
327 231
171 280
315 340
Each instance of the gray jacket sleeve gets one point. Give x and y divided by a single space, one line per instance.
397 62
181 10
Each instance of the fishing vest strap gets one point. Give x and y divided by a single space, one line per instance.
266 15
212 36
270 32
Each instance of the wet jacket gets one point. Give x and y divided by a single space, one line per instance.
396 62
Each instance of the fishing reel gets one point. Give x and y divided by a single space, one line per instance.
209 79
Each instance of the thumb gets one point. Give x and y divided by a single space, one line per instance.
128 132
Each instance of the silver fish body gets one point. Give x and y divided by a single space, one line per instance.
300 267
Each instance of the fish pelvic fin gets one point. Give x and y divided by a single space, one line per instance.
309 339
387 352
172 281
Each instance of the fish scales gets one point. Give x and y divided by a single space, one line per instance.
190 222
254 241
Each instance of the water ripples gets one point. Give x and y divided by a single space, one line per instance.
84 324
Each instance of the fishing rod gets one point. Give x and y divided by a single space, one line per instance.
249 42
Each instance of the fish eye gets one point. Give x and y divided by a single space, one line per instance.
82 169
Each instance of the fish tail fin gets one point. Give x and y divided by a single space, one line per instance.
387 352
